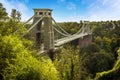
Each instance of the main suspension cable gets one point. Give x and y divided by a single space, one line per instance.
61 28
33 25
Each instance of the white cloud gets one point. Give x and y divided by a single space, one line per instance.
15 4
71 6
104 10
99 10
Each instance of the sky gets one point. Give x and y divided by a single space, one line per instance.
68 10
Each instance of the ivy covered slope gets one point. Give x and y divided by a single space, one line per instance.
16 59
113 74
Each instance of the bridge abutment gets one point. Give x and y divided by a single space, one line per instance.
85 41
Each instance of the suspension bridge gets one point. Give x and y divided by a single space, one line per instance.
48 34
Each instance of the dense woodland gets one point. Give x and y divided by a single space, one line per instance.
98 61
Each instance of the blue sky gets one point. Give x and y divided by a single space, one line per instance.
68 10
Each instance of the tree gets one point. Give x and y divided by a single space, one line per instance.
18 16
104 43
95 59
15 15
68 63
112 74
12 27
70 27
16 62
3 13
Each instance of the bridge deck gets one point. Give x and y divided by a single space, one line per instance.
62 41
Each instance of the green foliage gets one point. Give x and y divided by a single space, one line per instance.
70 27
17 63
92 48
96 62
106 35
29 68
112 74
15 15
115 44
104 43
95 57
8 49
11 28
68 63
3 13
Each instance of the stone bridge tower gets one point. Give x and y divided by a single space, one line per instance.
45 27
